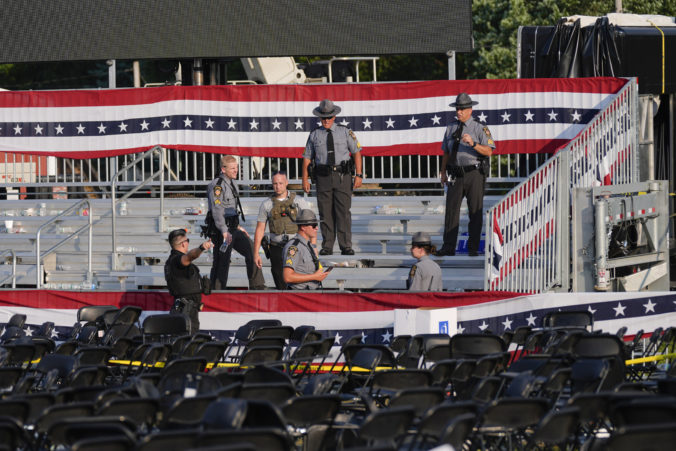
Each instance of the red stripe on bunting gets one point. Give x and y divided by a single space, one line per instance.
303 93
283 301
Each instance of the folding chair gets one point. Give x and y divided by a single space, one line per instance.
311 418
558 428
386 426
433 424
254 438
507 419
582 319
164 328
474 346
224 413
458 431
660 437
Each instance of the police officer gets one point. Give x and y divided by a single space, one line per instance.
279 211
467 145
183 277
426 274
302 270
331 147
225 208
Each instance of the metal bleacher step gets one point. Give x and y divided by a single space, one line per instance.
382 229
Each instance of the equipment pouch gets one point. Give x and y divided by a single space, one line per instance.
265 244
206 285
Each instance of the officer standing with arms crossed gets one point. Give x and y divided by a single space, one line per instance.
467 146
225 208
183 277
279 211
425 275
302 270
331 148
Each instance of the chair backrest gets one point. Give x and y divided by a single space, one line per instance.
596 346
225 413
17 320
93 312
476 345
155 326
569 318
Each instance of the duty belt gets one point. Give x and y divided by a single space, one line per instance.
342 168
459 171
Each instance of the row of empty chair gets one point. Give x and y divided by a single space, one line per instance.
122 383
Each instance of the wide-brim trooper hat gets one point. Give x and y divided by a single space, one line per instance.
306 217
421 239
463 101
326 108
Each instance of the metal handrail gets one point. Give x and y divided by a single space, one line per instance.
39 256
114 201
13 275
356 60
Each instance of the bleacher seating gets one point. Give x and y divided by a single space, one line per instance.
382 230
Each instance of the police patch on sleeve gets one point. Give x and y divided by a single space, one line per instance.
490 138
217 191
354 137
292 251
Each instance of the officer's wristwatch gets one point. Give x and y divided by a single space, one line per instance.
474 145
361 176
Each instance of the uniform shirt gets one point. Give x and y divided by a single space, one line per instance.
266 207
222 200
182 275
425 276
298 257
466 155
344 144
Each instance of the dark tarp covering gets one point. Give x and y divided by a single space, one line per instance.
602 49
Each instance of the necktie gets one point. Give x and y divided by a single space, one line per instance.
457 136
331 154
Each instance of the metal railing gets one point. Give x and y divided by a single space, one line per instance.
191 172
13 275
89 226
533 218
114 201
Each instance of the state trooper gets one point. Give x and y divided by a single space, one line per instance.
279 212
225 209
467 146
425 275
302 270
183 277
333 150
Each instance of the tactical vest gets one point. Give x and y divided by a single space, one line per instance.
282 215
177 284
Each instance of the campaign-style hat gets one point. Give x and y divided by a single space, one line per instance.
463 101
306 217
326 108
421 239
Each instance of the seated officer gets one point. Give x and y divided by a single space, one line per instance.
183 277
302 270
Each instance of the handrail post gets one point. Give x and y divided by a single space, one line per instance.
163 161
113 197
38 254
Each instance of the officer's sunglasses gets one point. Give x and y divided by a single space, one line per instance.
187 240
327 118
